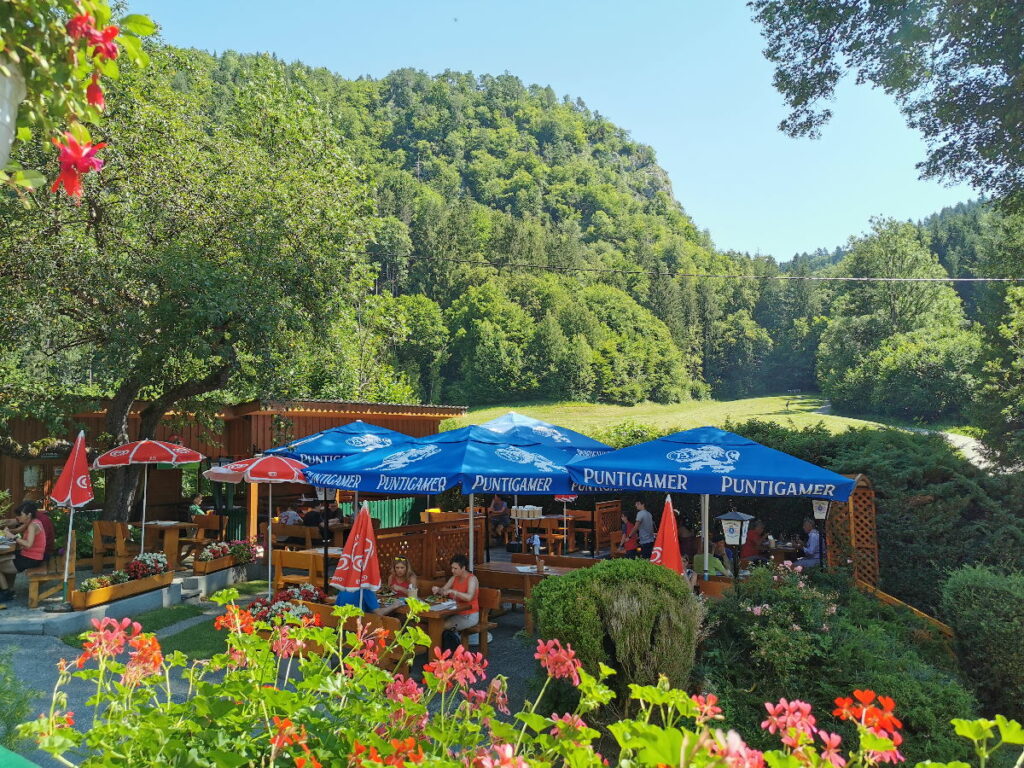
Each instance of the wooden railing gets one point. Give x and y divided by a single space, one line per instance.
945 629
429 546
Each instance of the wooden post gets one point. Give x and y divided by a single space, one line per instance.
252 526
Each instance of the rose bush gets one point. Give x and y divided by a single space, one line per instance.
342 709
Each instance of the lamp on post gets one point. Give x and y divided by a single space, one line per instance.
821 507
735 526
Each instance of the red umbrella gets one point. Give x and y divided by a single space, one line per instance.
666 547
146 452
73 489
262 469
358 567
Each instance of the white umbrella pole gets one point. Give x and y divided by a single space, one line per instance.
270 541
472 501
145 488
565 529
705 506
67 549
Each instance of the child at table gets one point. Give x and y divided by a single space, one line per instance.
403 578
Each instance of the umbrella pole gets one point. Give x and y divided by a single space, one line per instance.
145 488
270 541
471 501
323 537
67 549
705 505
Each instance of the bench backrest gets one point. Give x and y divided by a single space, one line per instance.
301 561
216 523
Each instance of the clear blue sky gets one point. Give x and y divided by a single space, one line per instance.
685 76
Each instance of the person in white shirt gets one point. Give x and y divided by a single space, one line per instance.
289 517
812 549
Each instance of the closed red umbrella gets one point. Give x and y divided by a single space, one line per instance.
359 567
262 469
146 452
666 546
73 489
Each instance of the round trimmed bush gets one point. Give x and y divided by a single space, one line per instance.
639 618
986 610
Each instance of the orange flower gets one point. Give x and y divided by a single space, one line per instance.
235 620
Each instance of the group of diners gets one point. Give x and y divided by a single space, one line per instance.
327 517
32 536
639 534
462 587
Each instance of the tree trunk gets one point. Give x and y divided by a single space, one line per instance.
123 481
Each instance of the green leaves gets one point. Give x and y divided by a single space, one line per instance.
137 24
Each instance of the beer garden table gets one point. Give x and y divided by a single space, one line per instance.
514 576
170 534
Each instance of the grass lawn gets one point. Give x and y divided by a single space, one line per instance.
798 410
152 621
200 641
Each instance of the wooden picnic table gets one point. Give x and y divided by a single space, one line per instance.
549 524
512 576
169 532
434 621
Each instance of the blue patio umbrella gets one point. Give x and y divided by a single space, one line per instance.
336 442
479 460
709 461
542 432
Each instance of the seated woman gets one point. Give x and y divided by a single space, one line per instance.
196 507
403 578
463 588
30 547
688 573
751 549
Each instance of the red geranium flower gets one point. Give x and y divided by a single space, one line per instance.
558 661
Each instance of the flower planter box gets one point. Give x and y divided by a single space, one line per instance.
325 612
82 600
200 567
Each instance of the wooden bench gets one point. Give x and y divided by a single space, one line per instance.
714 588
489 600
111 543
51 574
303 533
209 528
312 565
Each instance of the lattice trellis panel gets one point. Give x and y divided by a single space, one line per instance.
852 533
411 546
608 518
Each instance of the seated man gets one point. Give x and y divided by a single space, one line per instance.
370 603
812 552
716 561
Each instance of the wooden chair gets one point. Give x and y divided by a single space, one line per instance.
490 600
118 552
614 542
211 528
51 574
302 561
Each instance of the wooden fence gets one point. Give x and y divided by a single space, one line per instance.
429 546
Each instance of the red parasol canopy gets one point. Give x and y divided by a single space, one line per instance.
566 499
264 469
74 486
146 452
666 546
358 567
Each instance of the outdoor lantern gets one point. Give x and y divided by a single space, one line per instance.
820 508
735 526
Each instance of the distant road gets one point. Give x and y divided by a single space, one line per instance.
971 448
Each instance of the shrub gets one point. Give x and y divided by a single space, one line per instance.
17 700
638 618
780 633
986 610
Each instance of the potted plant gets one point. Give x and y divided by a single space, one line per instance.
143 574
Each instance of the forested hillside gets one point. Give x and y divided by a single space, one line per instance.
459 238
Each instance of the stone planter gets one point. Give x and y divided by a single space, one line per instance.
82 600
12 92
202 567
